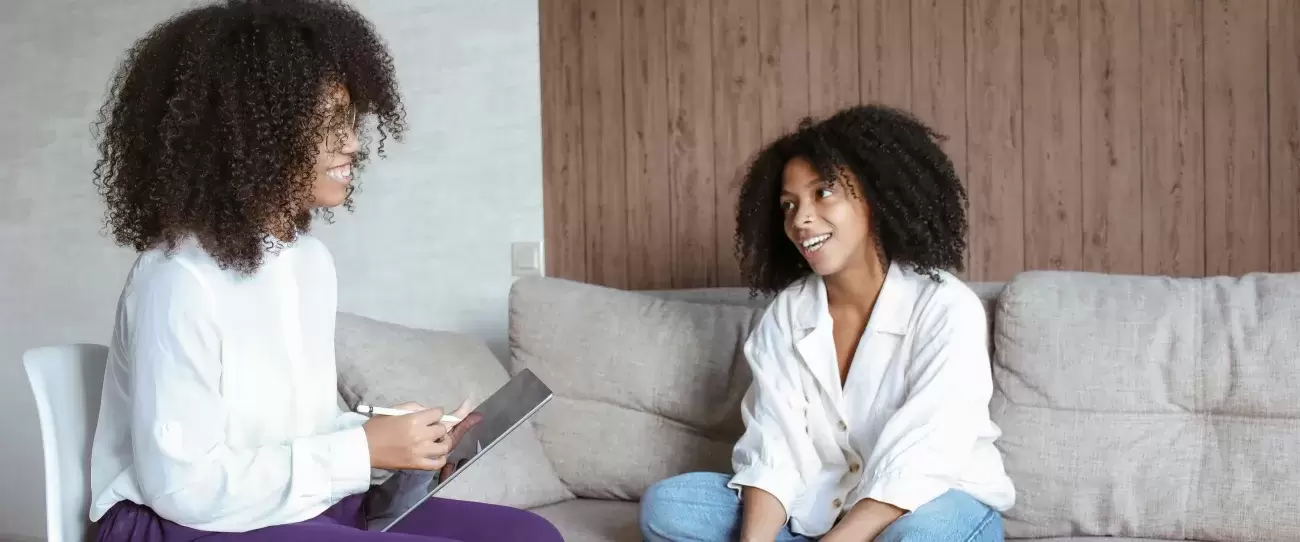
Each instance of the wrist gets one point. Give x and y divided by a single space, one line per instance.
758 533
865 521
762 515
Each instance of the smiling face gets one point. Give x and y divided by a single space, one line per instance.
827 224
332 172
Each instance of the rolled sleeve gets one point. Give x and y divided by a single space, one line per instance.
350 420
783 484
763 457
906 492
349 462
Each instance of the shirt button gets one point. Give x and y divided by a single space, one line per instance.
854 468
836 503
843 426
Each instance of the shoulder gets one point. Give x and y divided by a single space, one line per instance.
312 255
945 303
312 246
789 309
787 304
179 280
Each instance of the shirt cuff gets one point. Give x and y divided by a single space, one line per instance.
782 485
908 493
349 456
348 420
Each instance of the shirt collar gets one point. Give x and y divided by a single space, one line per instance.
891 314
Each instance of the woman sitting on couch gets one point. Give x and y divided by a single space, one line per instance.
868 416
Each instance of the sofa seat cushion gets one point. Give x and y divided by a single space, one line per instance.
384 364
1150 406
591 520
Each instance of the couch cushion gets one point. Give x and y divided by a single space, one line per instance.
591 520
659 382
385 364
1150 407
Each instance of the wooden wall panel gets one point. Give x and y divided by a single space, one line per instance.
994 163
832 55
1111 135
1158 137
783 72
736 114
646 157
603 173
938 57
690 141
562 182
1173 158
1236 137
1053 186
1284 134
885 51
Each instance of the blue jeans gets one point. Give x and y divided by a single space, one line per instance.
699 507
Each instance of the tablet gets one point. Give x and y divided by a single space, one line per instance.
498 416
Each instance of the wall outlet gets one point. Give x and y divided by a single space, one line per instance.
526 259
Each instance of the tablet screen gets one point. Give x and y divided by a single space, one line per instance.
488 424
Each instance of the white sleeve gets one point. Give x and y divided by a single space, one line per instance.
349 420
186 470
763 458
926 442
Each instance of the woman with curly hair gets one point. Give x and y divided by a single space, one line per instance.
226 128
868 415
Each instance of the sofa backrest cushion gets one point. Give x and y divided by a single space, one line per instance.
1150 406
646 388
384 364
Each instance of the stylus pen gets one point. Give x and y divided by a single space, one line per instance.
381 411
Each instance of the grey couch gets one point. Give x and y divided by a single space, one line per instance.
1138 408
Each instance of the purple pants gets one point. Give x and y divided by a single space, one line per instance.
437 520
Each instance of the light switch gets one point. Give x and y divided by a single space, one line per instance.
525 259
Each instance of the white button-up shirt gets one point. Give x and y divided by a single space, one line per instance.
910 422
219 408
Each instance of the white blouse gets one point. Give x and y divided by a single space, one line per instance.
219 408
910 422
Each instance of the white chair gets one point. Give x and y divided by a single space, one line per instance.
67 382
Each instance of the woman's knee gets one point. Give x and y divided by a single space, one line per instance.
988 530
536 527
953 517
694 506
470 520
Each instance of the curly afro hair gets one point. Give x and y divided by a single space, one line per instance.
917 202
214 120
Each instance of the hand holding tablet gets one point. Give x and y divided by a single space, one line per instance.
481 429
410 436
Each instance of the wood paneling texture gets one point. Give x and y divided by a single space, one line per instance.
1140 137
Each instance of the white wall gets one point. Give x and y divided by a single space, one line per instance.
428 245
